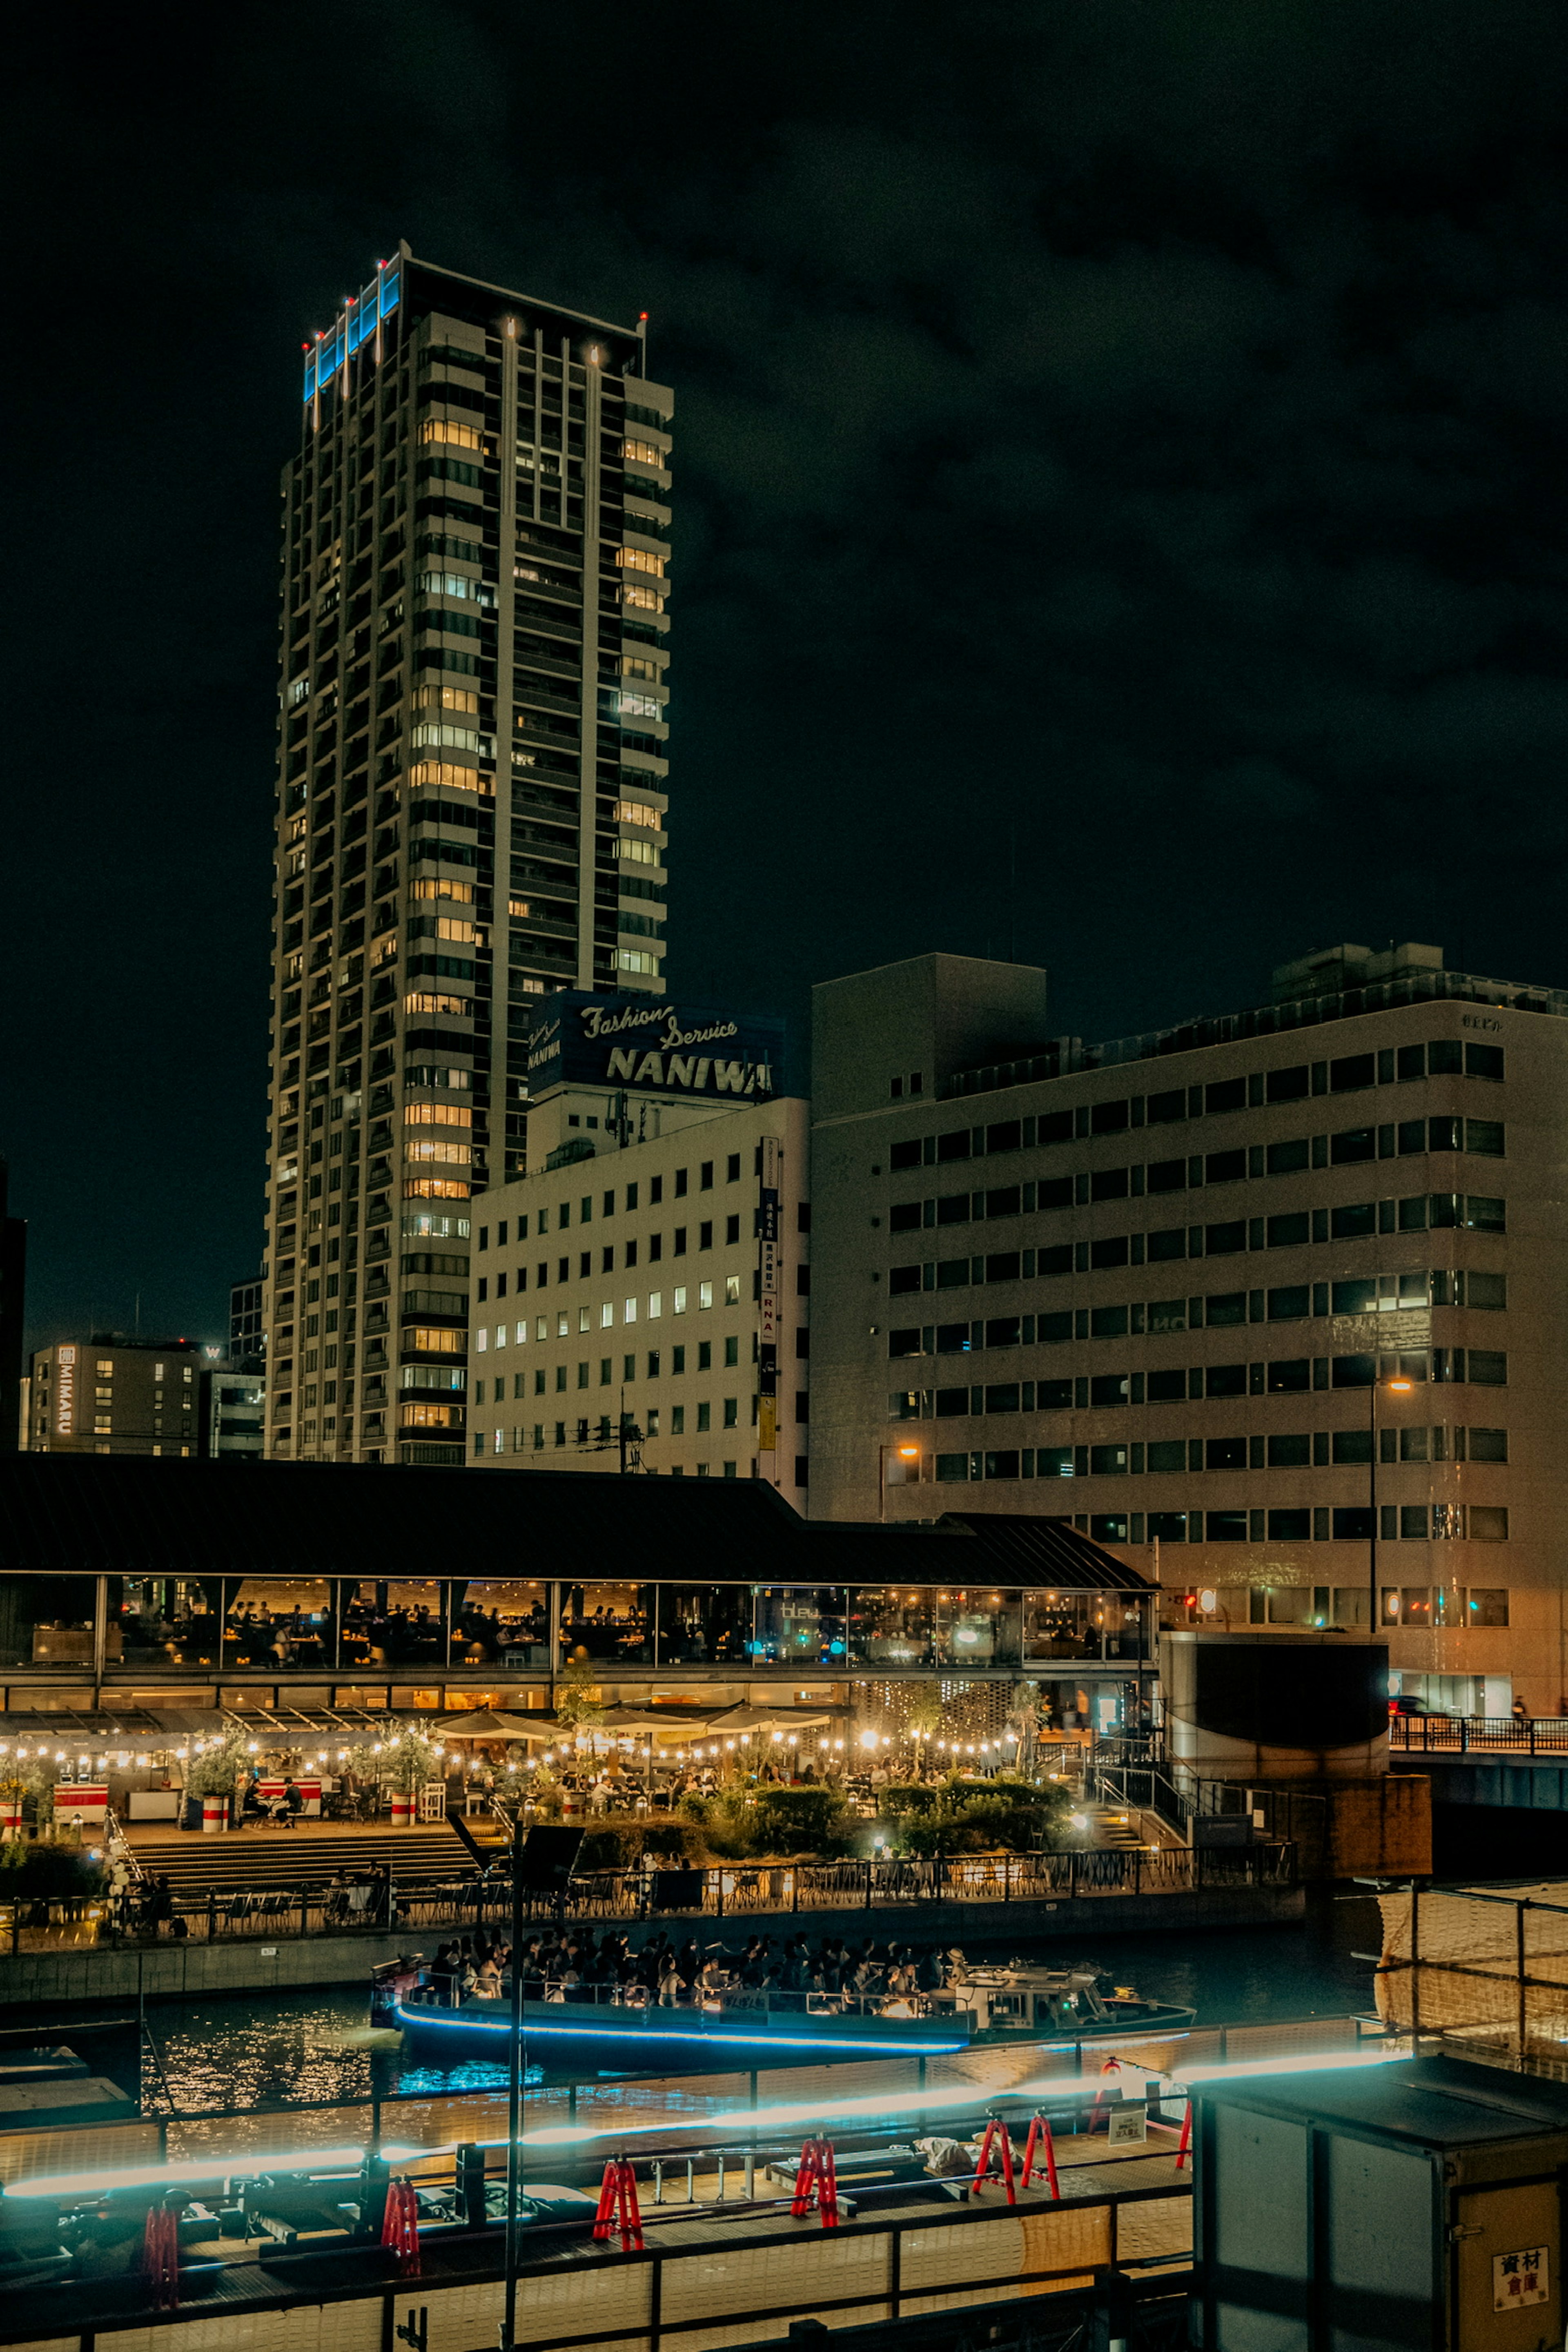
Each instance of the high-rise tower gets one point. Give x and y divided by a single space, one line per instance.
471 809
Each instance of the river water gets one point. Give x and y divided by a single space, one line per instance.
251 2052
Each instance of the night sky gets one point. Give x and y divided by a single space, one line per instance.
1129 435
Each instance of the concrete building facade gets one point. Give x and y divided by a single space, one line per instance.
110 1394
1270 1303
643 1299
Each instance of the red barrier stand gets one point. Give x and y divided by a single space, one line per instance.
996 2138
816 2180
1040 2140
161 2256
400 2228
618 2207
1186 2141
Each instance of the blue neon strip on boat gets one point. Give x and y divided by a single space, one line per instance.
464 2022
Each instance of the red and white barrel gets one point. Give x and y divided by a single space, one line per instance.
215 1815
83 1801
402 1809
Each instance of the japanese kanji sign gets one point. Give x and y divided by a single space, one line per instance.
1518 2279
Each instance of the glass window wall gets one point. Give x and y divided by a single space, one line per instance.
47 1621
704 1624
892 1625
978 1628
799 1624
278 1620
607 1625
295 1628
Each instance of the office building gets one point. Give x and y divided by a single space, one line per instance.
471 805
12 1316
233 1400
248 1320
110 1394
643 1299
1273 1298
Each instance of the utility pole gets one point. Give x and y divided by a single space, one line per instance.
514 2092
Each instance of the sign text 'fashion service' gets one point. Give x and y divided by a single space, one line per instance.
651 1047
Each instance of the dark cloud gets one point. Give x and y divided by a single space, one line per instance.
1120 445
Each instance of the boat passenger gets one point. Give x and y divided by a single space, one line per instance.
487 1980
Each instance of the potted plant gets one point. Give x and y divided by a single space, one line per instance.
402 1765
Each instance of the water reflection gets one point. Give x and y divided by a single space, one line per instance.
297 2049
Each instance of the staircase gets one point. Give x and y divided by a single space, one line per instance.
1117 1827
245 1861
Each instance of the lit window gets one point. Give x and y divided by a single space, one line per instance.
426 1002
446 430
421 1147
638 852
446 698
423 1114
443 733
635 666
639 599
678 1301
642 453
655 1305
629 1314
431 1339
731 1290
704 1295
640 813
519 909
443 771
635 960
638 559
639 706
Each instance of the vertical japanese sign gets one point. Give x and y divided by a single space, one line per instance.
768 1297
65 1391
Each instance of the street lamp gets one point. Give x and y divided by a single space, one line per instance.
1398 1386
908 1458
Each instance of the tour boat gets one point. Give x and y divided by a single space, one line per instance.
739 2028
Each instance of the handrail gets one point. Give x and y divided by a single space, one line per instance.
1437 1735
121 1848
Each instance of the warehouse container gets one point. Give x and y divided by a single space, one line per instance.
1414 2205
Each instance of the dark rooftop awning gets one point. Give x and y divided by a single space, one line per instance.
62 1514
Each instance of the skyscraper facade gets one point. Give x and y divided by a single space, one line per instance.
471 809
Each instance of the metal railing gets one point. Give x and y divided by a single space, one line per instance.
873 2267
732 1891
1502 1735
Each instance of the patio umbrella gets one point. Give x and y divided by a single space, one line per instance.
764 1720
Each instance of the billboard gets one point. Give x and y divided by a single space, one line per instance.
647 1046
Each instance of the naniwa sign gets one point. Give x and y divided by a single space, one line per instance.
653 1047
